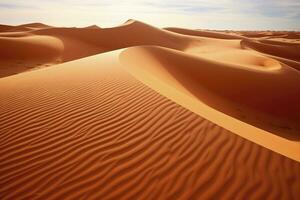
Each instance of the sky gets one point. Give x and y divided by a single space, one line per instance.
202 14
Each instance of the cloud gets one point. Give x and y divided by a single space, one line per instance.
222 14
14 6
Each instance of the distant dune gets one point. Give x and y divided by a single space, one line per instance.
93 27
203 33
138 112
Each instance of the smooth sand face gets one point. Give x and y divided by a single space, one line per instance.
234 93
159 120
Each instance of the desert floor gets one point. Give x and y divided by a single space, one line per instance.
139 112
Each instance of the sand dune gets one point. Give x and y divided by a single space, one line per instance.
202 33
157 114
289 52
82 42
93 27
23 27
35 25
4 27
27 52
279 42
133 33
190 81
31 48
76 132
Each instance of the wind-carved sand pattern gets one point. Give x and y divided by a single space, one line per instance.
96 128
107 135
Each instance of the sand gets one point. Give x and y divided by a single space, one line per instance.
138 112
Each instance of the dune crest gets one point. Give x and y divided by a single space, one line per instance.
72 131
93 27
139 112
190 81
202 33
83 42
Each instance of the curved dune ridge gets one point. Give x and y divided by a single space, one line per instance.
87 129
82 42
157 114
237 90
27 52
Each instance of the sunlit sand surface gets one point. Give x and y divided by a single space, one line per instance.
139 112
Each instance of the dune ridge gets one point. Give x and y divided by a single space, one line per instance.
139 112
194 88
289 52
83 42
107 135
203 33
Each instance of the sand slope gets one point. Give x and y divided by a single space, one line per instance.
23 27
229 76
190 81
82 42
163 114
87 129
27 52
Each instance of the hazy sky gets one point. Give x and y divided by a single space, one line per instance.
216 14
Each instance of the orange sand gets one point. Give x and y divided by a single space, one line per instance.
163 114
